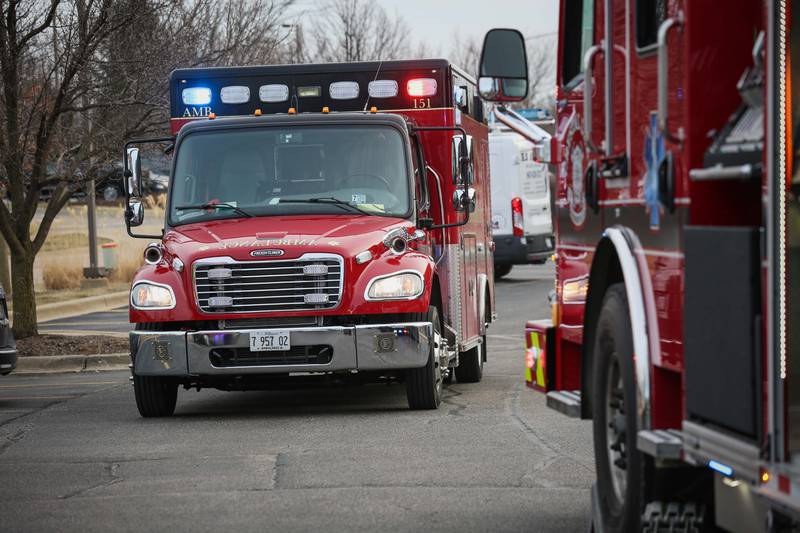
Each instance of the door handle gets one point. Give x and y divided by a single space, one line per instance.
663 76
588 83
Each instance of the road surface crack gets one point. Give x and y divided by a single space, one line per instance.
110 471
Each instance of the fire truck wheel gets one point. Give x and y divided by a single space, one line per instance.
155 396
424 385
621 472
470 364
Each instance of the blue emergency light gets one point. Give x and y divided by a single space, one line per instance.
196 96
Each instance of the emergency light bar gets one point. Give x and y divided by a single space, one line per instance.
202 93
382 89
275 92
343 90
421 87
235 94
196 96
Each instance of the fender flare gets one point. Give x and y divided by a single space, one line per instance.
641 309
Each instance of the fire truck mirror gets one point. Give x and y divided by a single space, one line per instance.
503 75
133 173
464 200
135 212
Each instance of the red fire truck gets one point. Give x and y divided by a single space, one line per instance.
678 252
324 224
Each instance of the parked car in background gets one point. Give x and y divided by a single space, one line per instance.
522 225
8 347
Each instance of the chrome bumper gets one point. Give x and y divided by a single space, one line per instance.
372 347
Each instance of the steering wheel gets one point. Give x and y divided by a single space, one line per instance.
380 178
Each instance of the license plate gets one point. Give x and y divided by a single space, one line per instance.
269 340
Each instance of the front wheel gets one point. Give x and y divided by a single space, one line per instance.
424 385
622 476
155 396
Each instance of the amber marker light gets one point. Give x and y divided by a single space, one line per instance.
326 109
212 116
292 111
764 476
257 113
373 109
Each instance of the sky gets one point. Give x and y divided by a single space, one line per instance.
437 21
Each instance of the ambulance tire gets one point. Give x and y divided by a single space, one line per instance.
424 385
156 396
470 364
622 471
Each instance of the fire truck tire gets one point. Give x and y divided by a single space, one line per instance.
155 396
424 385
622 476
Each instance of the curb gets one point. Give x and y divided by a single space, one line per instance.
82 306
55 364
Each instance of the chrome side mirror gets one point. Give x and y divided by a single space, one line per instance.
134 213
503 71
133 173
464 202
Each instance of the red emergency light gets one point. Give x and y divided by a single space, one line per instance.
421 87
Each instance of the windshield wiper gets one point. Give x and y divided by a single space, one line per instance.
325 200
209 205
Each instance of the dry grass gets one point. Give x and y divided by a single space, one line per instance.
64 254
59 276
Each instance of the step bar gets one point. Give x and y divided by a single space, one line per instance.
565 402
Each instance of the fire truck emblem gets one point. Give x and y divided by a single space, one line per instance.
654 154
267 252
575 196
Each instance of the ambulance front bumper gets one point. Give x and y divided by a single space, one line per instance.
315 349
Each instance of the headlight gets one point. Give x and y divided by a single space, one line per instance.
404 285
146 295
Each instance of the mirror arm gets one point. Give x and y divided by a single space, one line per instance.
463 133
126 172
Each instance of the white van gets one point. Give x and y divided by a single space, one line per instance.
522 224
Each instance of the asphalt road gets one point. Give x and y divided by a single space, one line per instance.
76 456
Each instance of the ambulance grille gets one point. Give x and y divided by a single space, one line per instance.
312 282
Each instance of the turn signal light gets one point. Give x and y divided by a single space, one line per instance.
292 111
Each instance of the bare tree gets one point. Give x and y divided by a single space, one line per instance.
357 30
79 76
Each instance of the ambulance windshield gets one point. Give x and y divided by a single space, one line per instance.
275 170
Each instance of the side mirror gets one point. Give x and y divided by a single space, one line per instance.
464 200
503 75
134 213
133 173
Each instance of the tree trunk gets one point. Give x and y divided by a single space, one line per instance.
23 295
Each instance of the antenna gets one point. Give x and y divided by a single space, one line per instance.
377 71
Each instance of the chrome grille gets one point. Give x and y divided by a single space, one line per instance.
311 282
